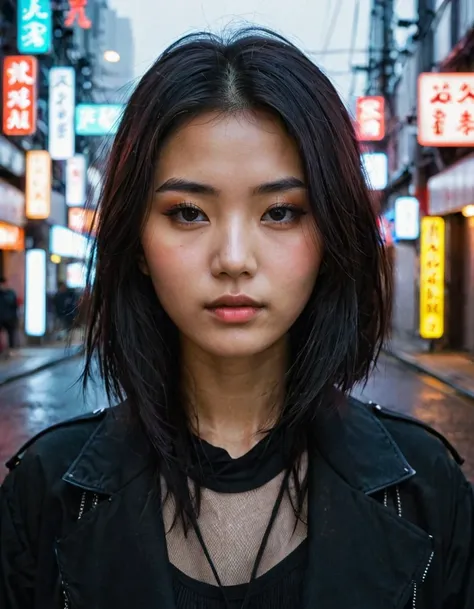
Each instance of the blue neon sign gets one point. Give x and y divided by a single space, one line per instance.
34 26
98 119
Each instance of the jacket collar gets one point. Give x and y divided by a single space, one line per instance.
116 452
347 435
353 441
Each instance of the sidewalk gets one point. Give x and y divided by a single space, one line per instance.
452 368
28 360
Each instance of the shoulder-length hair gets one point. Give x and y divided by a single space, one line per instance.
337 338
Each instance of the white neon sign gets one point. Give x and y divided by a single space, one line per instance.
35 293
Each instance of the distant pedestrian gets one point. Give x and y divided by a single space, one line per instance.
8 315
65 302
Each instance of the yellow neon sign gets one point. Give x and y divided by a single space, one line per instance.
432 277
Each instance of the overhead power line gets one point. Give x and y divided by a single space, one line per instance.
331 28
355 24
336 51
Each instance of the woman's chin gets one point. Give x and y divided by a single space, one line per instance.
236 345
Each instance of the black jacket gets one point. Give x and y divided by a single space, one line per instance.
8 306
390 519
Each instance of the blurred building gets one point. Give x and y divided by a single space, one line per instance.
109 45
407 39
78 43
12 173
114 76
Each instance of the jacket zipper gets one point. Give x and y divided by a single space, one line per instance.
416 586
423 577
82 508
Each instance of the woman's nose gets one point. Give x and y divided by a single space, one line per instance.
234 250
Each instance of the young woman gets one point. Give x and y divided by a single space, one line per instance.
240 292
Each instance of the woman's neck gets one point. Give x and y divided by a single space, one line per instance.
230 401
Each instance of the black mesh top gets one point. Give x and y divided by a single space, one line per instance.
279 588
243 502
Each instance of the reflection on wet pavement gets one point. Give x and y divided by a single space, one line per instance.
29 405
398 387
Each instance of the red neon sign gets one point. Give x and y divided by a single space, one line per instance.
77 11
370 117
19 94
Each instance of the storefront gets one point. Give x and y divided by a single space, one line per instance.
451 195
68 257
12 238
12 214
60 259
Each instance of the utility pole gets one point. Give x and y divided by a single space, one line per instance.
381 49
387 53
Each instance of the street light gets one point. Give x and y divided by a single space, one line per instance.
111 56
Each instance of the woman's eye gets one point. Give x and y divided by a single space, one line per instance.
283 214
187 214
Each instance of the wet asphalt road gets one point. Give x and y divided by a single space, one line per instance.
29 405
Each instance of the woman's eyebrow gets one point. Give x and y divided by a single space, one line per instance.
287 183
198 188
182 185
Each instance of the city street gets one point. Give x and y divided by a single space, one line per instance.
29 405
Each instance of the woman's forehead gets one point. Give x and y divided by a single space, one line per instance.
246 144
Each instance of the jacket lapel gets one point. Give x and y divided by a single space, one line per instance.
361 555
116 555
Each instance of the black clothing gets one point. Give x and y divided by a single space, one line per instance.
10 329
215 469
279 588
8 307
390 518
8 316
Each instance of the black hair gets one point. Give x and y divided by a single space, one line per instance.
337 338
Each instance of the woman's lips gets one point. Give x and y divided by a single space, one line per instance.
239 314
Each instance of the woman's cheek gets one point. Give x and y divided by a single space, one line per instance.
171 264
298 261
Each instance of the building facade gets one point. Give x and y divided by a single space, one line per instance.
76 44
436 36
12 174
114 61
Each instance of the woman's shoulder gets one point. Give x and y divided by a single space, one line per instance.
373 448
100 449
60 441
36 470
421 443
44 458
433 464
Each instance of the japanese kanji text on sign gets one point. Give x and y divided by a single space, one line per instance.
38 184
370 118
19 95
432 277
34 26
62 98
446 109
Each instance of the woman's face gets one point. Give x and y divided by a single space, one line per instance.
230 243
